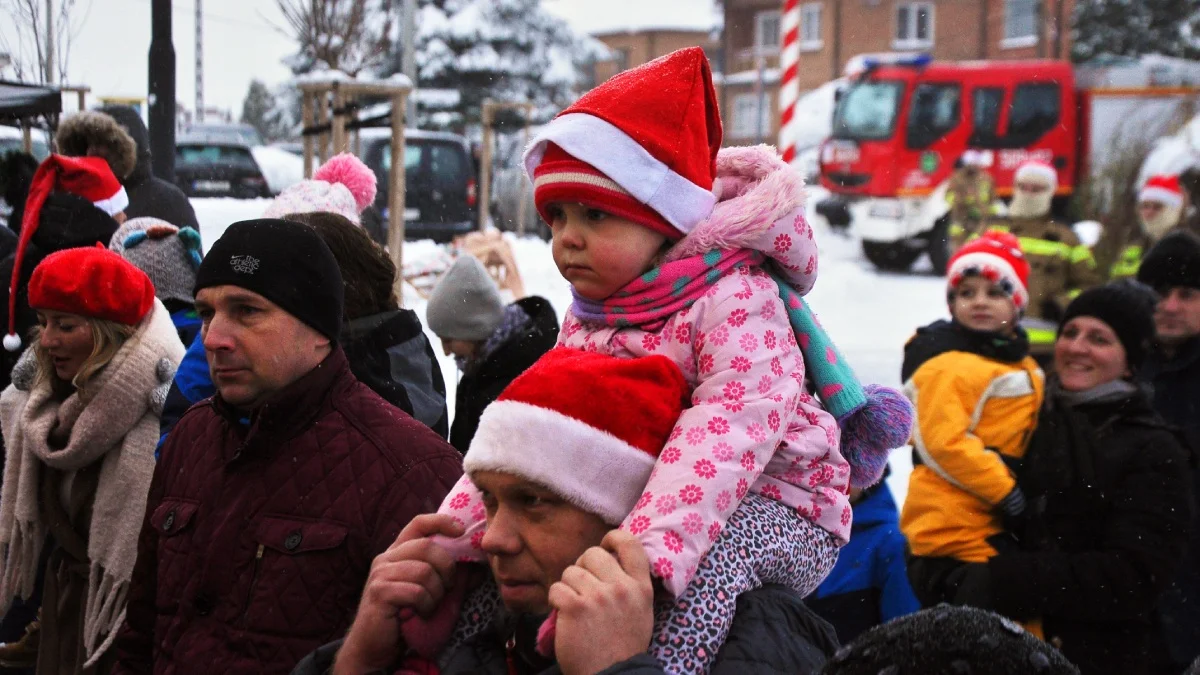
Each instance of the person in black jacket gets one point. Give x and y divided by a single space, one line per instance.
118 134
1108 493
385 345
492 343
1172 371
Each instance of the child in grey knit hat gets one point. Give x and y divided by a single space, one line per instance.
491 343
170 256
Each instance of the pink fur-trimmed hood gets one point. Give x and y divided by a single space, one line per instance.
760 206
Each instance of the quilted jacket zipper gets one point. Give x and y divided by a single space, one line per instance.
253 581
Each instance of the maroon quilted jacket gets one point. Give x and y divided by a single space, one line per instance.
259 533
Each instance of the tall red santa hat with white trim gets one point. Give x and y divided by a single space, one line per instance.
642 146
587 426
86 177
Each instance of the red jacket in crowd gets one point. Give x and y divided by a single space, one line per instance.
260 532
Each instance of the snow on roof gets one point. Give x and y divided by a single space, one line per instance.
770 76
631 16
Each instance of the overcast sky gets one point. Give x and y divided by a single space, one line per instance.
243 40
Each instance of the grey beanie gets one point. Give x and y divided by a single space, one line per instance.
168 255
465 304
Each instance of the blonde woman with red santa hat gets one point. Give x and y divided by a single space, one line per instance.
80 425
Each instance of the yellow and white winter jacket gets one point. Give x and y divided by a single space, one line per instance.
974 417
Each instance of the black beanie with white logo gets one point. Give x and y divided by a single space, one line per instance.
286 263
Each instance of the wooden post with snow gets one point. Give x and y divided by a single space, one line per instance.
324 128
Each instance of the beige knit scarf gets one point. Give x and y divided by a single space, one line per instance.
117 425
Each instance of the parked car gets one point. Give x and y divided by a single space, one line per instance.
440 184
11 139
212 168
237 134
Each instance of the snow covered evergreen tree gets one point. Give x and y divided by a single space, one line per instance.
507 50
1135 27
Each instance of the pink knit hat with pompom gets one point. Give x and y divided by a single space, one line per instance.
343 185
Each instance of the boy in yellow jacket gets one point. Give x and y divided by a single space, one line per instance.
976 392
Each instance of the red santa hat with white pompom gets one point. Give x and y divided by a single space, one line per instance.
86 177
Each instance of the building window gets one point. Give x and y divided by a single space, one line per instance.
766 32
1020 23
751 116
914 25
810 26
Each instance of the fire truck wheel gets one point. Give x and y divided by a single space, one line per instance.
939 246
894 256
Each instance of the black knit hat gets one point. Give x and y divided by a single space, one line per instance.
286 263
1127 307
1174 261
947 640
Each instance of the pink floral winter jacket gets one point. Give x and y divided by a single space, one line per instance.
752 424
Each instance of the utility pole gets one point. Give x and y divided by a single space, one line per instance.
408 62
162 91
199 60
49 41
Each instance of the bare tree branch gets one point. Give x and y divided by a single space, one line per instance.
346 35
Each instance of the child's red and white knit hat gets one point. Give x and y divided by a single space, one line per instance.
997 257
642 146
587 426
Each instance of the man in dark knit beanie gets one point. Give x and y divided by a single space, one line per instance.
271 498
947 640
1172 371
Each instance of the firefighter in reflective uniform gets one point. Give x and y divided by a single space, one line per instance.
969 195
1061 267
1160 210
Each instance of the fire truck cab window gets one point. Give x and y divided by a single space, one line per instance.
868 111
934 111
985 116
1035 110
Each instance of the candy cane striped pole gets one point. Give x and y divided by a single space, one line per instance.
789 83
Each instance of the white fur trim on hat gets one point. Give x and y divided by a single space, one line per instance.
1037 170
586 466
983 260
1160 195
114 204
590 139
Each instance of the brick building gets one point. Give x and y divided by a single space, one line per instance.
633 48
834 31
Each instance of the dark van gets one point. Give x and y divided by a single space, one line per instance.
440 199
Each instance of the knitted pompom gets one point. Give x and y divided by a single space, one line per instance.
870 433
349 171
12 342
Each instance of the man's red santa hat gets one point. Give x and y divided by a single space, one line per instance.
642 146
1165 190
86 177
587 426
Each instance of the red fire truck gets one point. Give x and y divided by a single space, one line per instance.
900 127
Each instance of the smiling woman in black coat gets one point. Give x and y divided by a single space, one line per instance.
1108 494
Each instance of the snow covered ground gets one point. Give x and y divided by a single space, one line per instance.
870 314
